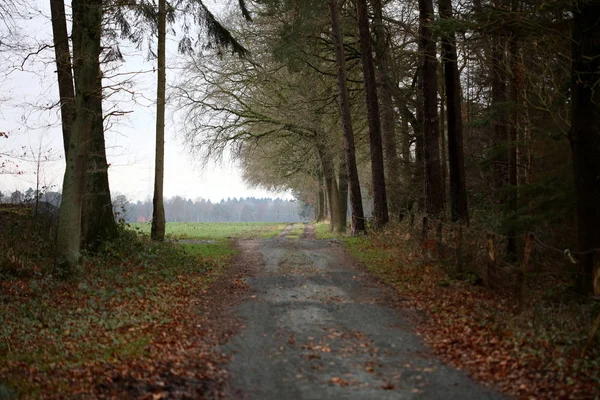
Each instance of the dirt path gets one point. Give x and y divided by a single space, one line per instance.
316 327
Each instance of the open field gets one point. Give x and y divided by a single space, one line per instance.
216 230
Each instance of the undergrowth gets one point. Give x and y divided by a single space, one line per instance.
113 311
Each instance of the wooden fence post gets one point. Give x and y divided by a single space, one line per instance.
424 232
440 240
523 271
491 262
458 245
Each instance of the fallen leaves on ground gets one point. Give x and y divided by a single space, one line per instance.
478 330
123 331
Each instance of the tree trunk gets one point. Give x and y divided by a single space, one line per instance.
380 208
442 119
388 117
87 20
434 196
331 187
585 136
63 68
512 203
358 218
98 223
498 71
458 187
320 214
158 211
343 191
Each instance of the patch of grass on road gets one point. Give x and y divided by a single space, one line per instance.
296 231
216 230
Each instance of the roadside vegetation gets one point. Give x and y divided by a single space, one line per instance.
126 321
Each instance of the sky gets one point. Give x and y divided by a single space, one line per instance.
28 89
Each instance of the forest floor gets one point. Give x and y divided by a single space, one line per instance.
279 314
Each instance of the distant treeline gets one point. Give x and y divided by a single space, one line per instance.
179 209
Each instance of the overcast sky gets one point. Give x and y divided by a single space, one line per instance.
26 94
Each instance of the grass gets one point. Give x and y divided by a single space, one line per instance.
117 310
323 231
296 231
216 230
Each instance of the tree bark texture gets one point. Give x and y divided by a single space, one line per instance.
320 214
380 208
513 132
499 97
98 224
343 191
358 218
458 188
585 136
158 212
388 117
87 20
434 196
62 54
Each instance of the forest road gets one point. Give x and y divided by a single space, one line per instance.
316 327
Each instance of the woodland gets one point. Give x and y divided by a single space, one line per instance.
460 139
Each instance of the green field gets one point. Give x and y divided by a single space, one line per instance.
216 230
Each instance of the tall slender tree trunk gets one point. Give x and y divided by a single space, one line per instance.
499 97
513 132
358 217
98 224
442 119
343 191
380 208
434 196
87 20
63 68
158 211
388 117
458 188
585 139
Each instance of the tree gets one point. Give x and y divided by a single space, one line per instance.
63 68
87 23
158 209
434 196
388 117
97 219
458 190
585 138
222 38
380 208
358 219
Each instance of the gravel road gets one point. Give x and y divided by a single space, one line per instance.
317 327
